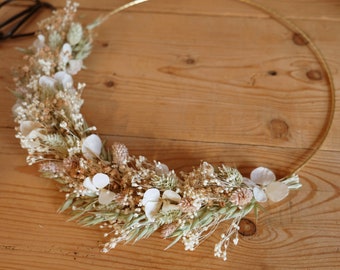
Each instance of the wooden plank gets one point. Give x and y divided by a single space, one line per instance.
155 73
183 82
307 9
36 236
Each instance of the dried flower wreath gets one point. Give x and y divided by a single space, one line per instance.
128 196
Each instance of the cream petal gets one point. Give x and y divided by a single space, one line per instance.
100 180
106 196
90 193
151 195
262 176
151 209
66 53
30 144
277 191
208 168
171 196
66 48
46 81
16 108
74 66
248 182
87 183
27 126
64 79
161 169
259 194
35 134
41 38
91 146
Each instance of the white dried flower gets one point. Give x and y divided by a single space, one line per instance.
91 146
64 79
65 55
30 132
170 201
262 181
74 66
161 169
96 185
46 81
152 202
27 127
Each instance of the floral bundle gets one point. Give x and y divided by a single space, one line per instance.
128 196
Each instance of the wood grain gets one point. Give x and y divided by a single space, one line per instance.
182 82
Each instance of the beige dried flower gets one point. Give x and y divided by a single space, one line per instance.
71 165
120 153
168 229
241 196
50 167
186 205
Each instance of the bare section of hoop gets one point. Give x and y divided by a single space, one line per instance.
329 78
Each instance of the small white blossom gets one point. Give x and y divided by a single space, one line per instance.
46 66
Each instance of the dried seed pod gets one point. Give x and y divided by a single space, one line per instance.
120 153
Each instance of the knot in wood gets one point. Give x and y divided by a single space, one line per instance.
299 40
272 72
105 44
189 60
314 75
109 83
279 129
247 227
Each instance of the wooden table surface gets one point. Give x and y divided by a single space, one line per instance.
183 81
